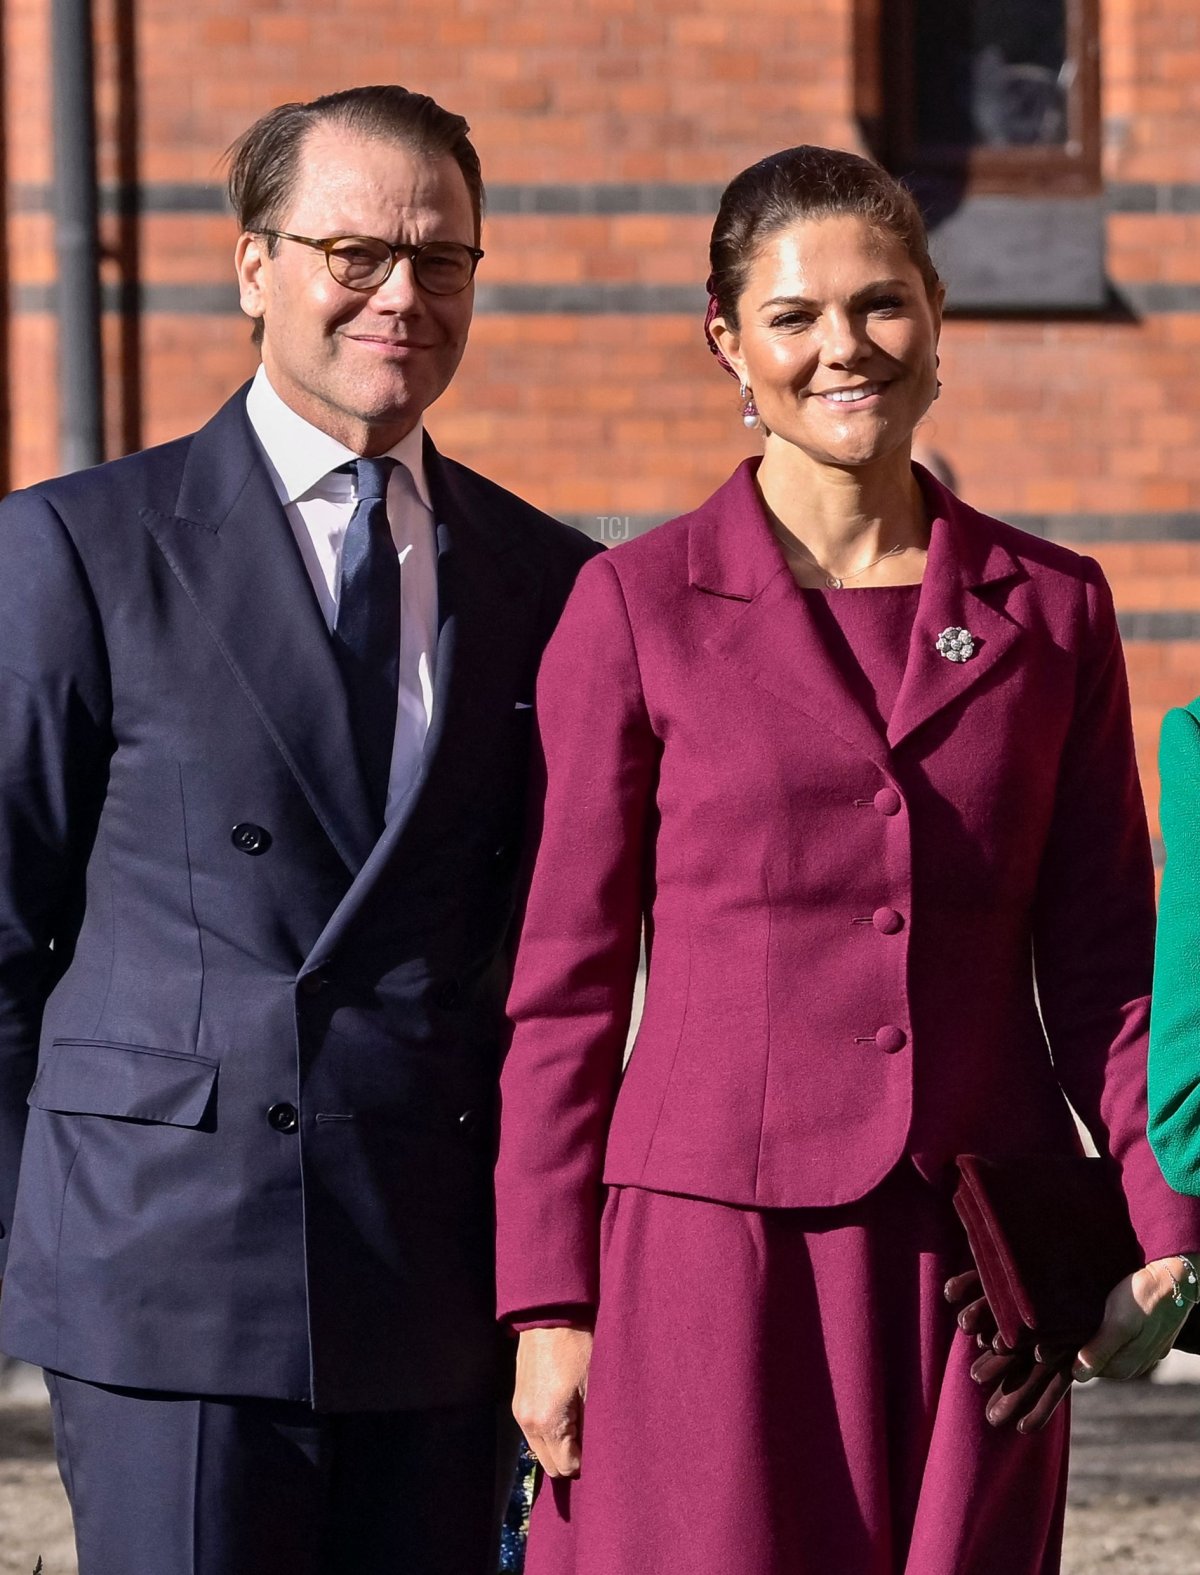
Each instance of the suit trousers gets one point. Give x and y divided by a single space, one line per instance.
165 1484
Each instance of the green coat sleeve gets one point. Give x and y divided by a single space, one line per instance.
1174 1074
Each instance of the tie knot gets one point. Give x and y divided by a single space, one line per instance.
371 476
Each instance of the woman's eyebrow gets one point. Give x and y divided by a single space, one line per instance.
867 289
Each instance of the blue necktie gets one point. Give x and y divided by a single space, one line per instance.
366 632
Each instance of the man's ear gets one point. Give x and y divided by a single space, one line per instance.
249 256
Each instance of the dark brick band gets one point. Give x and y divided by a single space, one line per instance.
522 300
568 197
535 300
1073 528
1082 527
1160 626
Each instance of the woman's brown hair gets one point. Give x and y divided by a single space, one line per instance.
807 183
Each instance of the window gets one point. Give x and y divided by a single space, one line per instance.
990 110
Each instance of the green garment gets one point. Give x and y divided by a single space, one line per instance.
1174 1075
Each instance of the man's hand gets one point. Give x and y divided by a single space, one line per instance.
1140 1324
552 1373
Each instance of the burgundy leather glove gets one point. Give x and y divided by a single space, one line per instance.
1029 1385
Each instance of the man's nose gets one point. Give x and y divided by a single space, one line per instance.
399 292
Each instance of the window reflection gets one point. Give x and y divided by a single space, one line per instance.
991 73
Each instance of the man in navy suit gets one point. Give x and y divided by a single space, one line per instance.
264 729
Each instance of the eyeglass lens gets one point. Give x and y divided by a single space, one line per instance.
361 262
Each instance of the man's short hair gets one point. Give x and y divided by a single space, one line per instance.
264 160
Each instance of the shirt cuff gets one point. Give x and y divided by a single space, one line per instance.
568 1315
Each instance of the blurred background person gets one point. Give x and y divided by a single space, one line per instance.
1175 1011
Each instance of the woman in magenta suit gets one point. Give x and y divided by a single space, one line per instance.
859 759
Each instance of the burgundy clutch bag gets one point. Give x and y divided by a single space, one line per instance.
1051 1237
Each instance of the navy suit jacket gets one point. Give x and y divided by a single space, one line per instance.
170 993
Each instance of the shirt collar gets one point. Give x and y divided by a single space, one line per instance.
299 455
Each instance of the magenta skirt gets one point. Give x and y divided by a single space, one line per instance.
786 1393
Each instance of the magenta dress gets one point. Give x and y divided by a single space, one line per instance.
825 1423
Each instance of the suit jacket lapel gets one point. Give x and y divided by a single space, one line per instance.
488 591
231 547
773 637
966 563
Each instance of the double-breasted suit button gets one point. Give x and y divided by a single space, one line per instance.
447 994
887 921
249 838
890 1039
284 1118
470 1123
887 801
312 984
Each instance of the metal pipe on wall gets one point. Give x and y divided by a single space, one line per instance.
77 241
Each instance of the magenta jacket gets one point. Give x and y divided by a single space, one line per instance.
850 934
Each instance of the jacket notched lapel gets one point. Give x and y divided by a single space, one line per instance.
772 636
966 564
487 594
230 546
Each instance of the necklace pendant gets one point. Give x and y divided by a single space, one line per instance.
834 584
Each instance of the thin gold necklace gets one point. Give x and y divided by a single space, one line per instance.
835 582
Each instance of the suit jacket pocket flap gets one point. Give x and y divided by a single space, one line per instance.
84 1077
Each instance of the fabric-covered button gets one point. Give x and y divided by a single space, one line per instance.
888 801
249 838
312 984
887 921
890 1039
283 1118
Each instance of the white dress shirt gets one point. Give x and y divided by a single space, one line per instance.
303 462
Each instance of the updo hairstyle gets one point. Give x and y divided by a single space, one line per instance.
808 183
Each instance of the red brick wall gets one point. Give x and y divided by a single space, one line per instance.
615 414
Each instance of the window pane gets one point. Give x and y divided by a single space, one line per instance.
991 73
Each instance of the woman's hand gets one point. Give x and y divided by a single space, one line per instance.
552 1374
1140 1324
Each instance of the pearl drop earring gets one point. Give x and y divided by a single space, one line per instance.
749 408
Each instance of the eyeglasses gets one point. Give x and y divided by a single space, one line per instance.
364 262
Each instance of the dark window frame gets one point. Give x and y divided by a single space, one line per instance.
885 90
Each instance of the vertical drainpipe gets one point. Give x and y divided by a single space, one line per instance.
80 386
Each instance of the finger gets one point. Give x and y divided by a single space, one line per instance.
1055 1389
1016 1393
1102 1350
539 1452
558 1456
959 1286
991 1367
1124 1321
567 1457
1034 1395
976 1318
1053 1355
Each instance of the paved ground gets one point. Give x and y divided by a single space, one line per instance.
1134 1506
